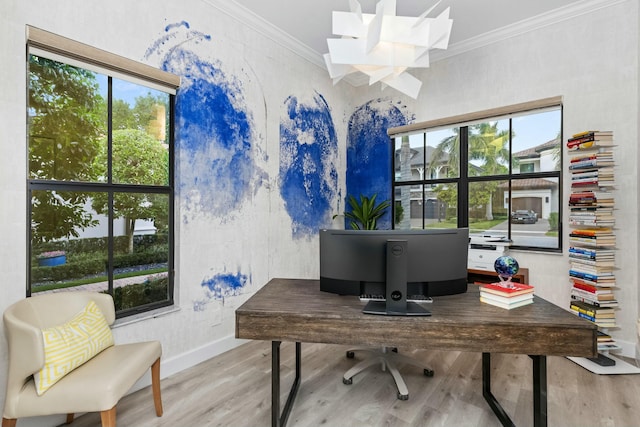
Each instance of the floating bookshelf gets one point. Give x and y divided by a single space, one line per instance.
592 239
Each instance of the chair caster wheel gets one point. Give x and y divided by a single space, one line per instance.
428 372
350 354
347 381
403 396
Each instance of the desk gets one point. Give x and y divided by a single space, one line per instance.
295 310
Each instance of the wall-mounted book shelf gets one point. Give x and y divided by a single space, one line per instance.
592 240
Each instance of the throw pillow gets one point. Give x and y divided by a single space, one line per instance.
71 344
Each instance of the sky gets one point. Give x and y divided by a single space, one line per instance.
529 130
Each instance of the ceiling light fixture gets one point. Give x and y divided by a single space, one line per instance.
383 46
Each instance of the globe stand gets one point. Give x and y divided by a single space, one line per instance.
506 267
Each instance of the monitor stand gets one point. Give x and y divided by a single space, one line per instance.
380 307
396 303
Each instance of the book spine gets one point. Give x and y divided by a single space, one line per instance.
592 300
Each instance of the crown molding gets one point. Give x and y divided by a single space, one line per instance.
267 29
247 17
552 17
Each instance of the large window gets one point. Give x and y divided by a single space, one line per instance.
499 175
100 181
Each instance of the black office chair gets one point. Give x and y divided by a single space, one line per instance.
388 358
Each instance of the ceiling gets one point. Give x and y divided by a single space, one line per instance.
309 21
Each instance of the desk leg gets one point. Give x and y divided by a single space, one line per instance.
278 420
488 396
539 391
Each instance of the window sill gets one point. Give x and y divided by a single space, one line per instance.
145 316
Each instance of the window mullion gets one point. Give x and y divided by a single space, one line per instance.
463 188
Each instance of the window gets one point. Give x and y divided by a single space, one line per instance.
100 181
496 172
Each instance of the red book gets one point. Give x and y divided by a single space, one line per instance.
579 284
513 289
579 159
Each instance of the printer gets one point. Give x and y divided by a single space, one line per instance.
485 249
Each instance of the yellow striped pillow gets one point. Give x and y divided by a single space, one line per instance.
70 345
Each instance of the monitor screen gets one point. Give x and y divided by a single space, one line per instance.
354 262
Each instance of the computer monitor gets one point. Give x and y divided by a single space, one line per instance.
394 263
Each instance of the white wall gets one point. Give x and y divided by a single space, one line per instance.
253 239
590 60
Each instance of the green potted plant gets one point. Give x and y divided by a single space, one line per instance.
365 213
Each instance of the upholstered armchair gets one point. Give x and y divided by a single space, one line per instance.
62 359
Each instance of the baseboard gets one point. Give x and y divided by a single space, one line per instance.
628 349
190 358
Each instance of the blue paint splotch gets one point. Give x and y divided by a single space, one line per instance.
369 151
221 286
308 154
214 127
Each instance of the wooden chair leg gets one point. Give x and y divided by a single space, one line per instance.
108 418
155 385
70 418
9 422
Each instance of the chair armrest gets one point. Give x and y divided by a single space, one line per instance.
24 339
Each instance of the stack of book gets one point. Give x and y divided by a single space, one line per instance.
604 317
585 161
590 139
601 178
591 216
591 294
592 237
591 198
589 259
606 343
511 295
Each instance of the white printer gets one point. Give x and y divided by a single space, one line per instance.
484 250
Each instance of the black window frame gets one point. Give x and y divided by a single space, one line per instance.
463 181
93 59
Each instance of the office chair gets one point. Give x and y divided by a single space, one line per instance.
388 358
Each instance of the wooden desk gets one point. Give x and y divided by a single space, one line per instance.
296 310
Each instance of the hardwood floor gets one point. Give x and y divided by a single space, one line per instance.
234 389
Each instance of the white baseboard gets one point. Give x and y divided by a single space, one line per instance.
190 358
628 349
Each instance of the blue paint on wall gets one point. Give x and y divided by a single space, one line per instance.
214 127
223 285
308 175
369 152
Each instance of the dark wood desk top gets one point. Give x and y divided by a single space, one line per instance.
296 310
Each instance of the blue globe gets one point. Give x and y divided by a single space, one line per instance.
506 267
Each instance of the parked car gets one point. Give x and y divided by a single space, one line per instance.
524 217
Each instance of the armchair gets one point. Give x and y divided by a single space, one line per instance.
94 386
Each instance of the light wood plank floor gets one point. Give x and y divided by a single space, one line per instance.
234 389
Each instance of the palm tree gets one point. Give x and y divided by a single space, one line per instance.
405 173
448 148
488 146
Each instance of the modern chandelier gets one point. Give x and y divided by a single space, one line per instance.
383 46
